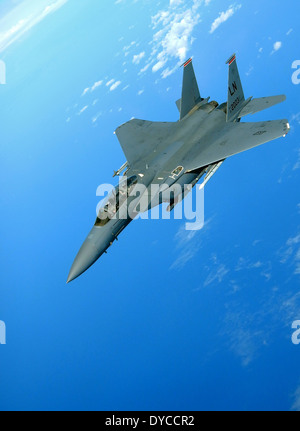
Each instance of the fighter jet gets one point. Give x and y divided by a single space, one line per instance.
178 153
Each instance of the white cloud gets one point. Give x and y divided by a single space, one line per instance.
290 254
23 17
294 240
85 91
276 46
96 117
175 2
242 340
159 65
244 264
296 403
295 119
297 164
93 88
137 58
173 35
297 263
217 274
83 109
140 92
115 85
109 82
128 47
167 72
223 17
187 247
145 68
188 244
96 85
251 68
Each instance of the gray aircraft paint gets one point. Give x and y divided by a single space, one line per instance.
205 135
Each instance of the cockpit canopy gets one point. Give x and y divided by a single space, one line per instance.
116 198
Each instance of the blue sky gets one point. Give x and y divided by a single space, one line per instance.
166 320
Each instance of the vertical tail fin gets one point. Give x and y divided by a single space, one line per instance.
236 96
190 91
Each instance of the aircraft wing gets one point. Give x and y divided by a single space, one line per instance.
235 138
139 139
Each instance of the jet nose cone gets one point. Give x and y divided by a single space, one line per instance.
87 255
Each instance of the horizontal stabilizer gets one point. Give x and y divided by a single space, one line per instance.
257 105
